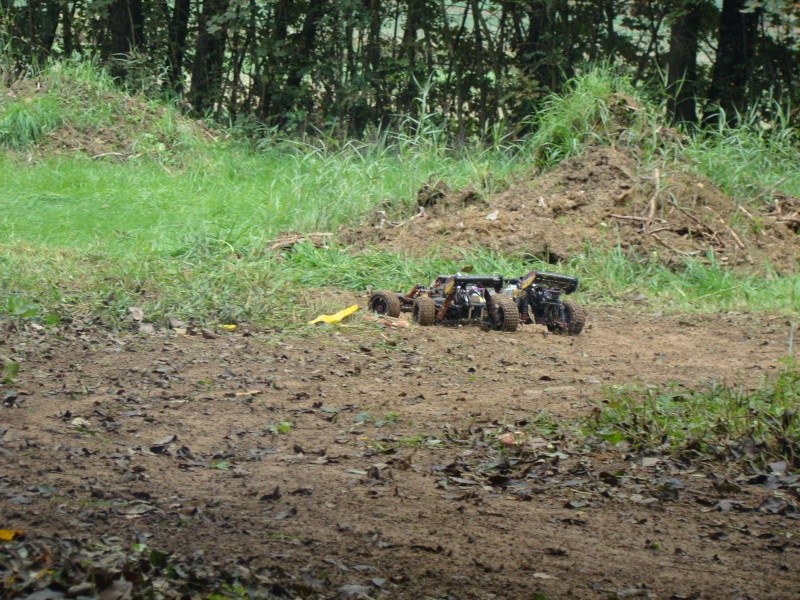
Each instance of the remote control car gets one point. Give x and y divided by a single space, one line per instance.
538 298
453 300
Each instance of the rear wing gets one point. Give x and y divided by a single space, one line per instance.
565 283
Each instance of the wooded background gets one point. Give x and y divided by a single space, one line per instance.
353 64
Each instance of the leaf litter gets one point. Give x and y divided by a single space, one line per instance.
430 501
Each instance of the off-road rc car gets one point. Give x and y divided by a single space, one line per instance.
488 299
453 300
538 298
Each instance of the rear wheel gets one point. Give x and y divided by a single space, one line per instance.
385 303
424 311
571 319
503 313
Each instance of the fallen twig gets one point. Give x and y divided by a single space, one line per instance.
734 235
290 239
668 247
747 212
120 154
651 207
652 231
703 229
769 189
634 218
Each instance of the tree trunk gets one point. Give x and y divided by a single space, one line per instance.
682 64
306 41
178 29
414 14
52 14
126 33
373 56
734 61
270 71
207 68
66 27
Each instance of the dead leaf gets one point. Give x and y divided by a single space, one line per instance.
272 497
286 514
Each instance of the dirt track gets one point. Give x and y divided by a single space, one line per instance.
384 481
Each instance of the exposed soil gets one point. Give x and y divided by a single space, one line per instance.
363 462
599 197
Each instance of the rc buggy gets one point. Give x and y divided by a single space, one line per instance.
490 300
453 300
538 299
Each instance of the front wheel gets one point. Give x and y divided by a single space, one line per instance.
385 303
503 313
570 319
424 311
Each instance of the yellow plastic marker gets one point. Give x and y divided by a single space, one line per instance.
335 318
7 535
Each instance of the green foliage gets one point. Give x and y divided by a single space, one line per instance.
724 422
754 159
279 428
241 282
25 121
184 231
10 371
15 306
84 100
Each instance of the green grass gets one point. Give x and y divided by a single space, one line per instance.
212 283
23 123
724 422
229 194
81 97
182 228
752 161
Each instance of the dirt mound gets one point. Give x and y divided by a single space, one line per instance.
81 117
599 197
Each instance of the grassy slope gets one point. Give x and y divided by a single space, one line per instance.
180 229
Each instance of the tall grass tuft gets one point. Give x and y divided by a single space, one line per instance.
752 160
23 122
728 423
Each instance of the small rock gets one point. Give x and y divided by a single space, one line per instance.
176 323
354 591
80 422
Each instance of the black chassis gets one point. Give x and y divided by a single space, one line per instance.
538 299
453 300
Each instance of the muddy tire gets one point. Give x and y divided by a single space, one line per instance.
572 320
503 313
385 303
424 311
